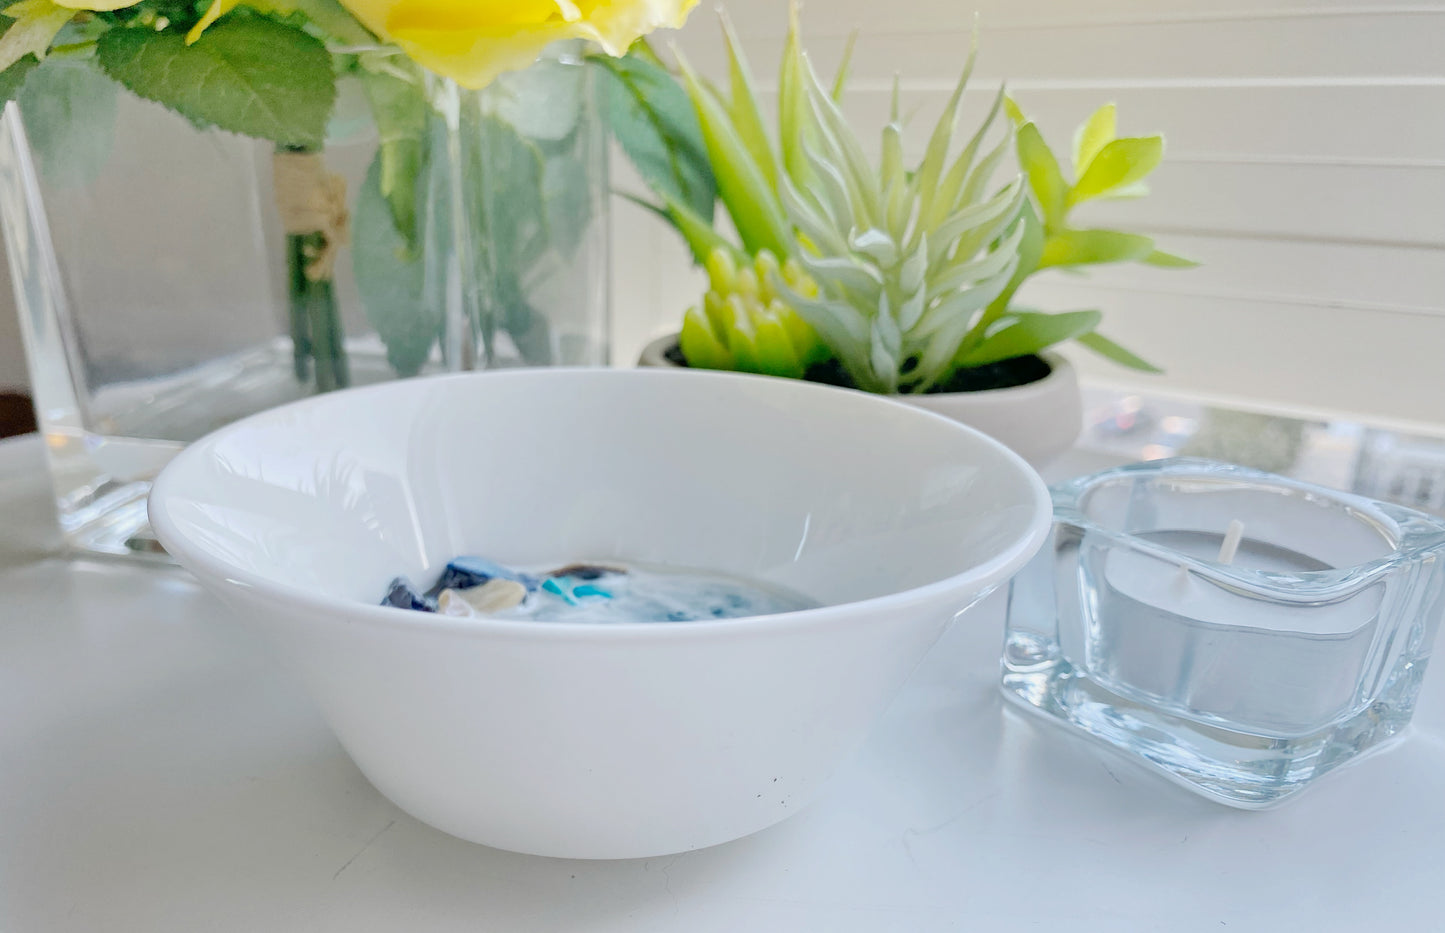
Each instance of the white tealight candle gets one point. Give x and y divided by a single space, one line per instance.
1172 588
1208 612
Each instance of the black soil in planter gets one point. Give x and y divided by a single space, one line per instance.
1005 374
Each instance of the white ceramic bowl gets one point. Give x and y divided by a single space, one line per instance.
600 741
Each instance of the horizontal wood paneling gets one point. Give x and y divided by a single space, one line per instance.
1357 45
1309 123
1327 202
1285 271
1368 364
837 17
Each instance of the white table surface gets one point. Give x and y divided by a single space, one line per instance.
157 773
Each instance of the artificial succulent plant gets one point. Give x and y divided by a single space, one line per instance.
883 276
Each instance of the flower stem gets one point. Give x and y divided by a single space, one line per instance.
317 337
459 274
299 289
315 320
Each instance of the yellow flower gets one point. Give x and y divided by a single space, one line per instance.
36 24
473 41
217 9
96 5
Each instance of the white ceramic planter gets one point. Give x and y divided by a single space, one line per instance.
1038 421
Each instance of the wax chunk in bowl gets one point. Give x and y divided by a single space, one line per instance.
463 573
496 595
559 589
587 590
402 594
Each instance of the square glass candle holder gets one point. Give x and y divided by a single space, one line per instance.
1240 632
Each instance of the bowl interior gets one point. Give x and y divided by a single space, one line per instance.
835 494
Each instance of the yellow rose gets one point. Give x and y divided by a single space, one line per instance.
473 41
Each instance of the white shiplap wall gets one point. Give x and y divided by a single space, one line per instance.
1305 168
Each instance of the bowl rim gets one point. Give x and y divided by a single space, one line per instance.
981 576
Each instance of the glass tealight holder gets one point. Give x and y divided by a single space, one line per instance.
1240 632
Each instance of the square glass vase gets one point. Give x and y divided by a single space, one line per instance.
1239 632
165 285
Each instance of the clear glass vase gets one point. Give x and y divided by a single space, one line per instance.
170 280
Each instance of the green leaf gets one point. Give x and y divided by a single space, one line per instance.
35 25
775 352
69 109
944 345
247 75
809 215
797 129
642 49
561 83
1045 179
1128 192
982 173
530 205
842 150
657 127
1119 164
698 234
567 190
974 226
12 79
743 105
1028 332
840 325
930 171
1094 134
1014 111
845 67
399 107
1168 260
737 331
697 231
949 278
751 201
505 182
898 202
1111 350
1030 248
1089 247
891 172
389 277
960 183
845 275
806 345
328 16
700 346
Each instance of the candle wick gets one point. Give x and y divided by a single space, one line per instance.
1230 546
